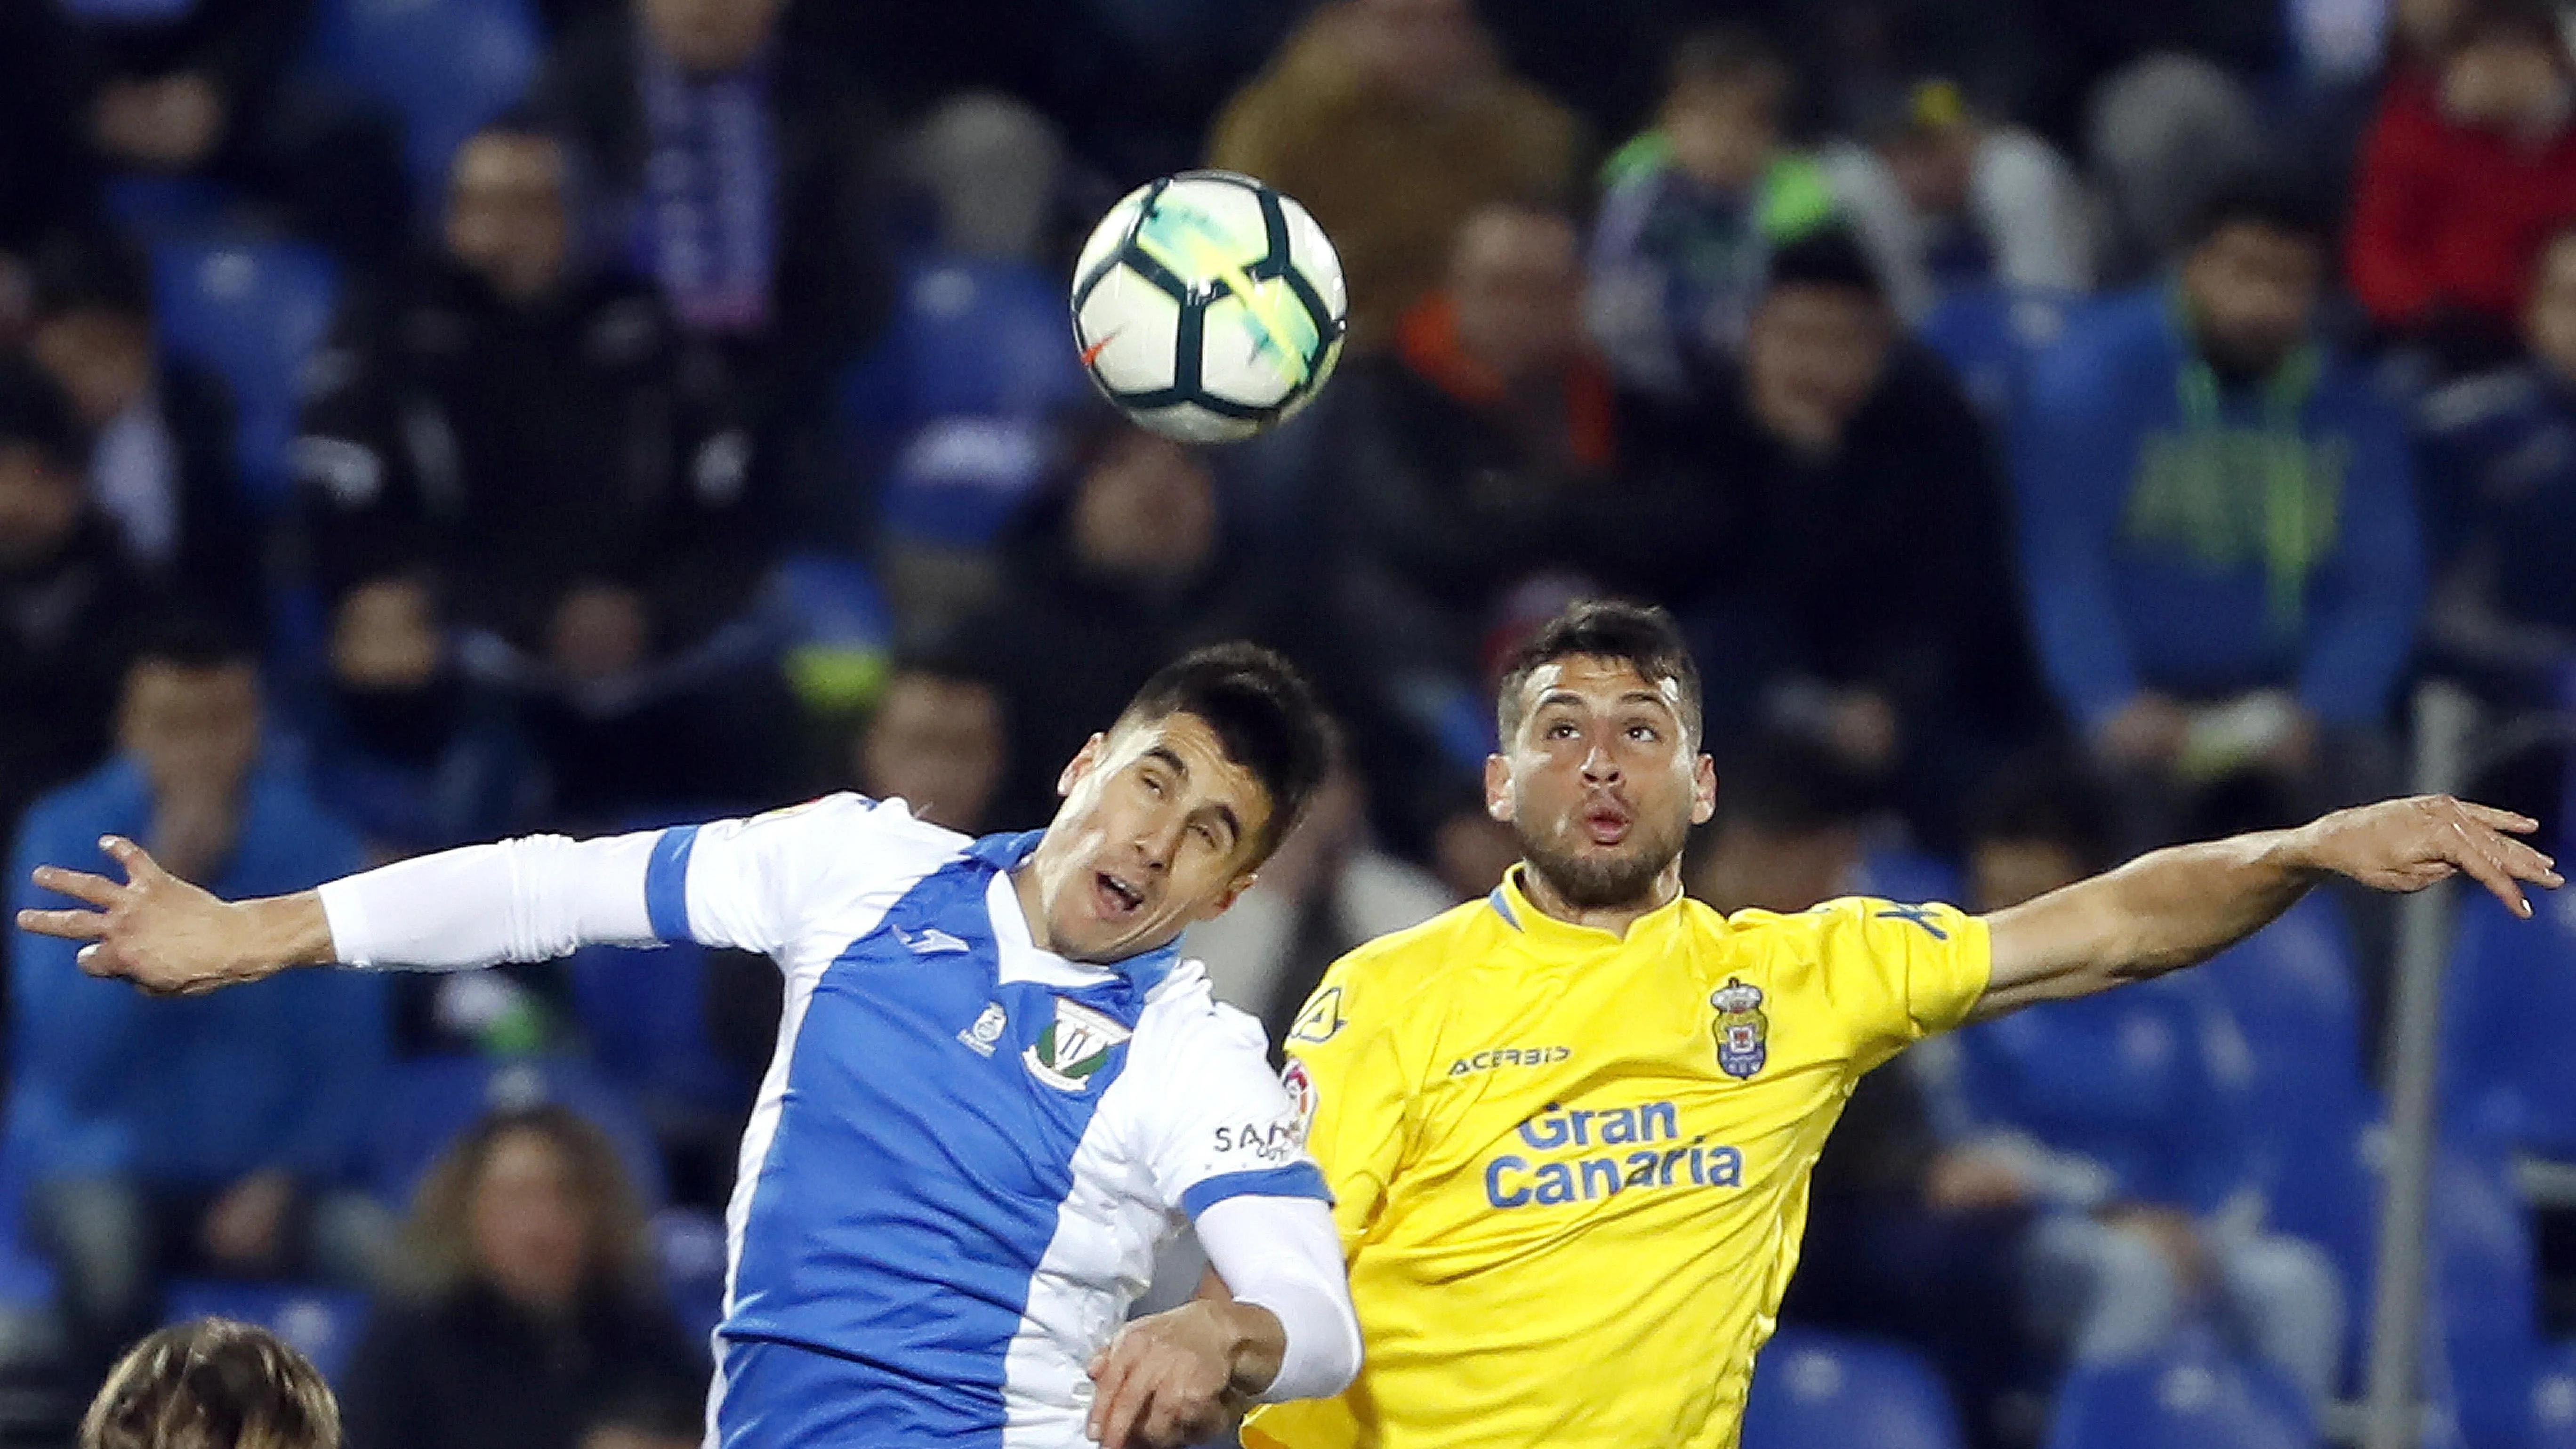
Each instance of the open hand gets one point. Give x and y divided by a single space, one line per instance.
2406 845
155 930
1167 1380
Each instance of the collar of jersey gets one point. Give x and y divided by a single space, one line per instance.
1513 904
1019 956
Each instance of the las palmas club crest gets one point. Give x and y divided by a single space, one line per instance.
1073 1046
1741 1029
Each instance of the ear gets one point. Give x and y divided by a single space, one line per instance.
1498 788
1703 790
1084 761
1225 901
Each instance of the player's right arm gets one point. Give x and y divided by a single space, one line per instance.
529 899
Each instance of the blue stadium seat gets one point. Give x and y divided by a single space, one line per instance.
253 311
953 402
1989 335
2187 1397
2485 1299
432 1101
323 1322
2508 1075
1815 1390
644 1013
445 66
1910 875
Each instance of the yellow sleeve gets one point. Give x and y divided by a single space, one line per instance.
1345 1074
1899 973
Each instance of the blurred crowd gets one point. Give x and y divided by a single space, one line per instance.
2061 428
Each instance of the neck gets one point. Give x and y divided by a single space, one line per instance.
1024 884
1616 919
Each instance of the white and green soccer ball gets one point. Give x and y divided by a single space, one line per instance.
1208 306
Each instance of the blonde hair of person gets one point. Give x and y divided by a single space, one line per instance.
213 1383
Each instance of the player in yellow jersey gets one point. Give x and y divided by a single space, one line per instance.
1570 1127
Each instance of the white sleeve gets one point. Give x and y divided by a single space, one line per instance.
733 883
520 900
1223 1126
1283 1254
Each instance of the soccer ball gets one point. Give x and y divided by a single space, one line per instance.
1208 306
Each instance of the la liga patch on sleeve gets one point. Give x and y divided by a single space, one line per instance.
1301 1096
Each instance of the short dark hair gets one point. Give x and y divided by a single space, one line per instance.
1829 256
213 1383
1641 636
188 638
1265 716
2534 22
2263 198
1790 785
2050 798
36 413
1725 54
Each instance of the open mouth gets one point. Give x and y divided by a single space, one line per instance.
1605 823
1113 895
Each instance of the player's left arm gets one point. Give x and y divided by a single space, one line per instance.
2178 907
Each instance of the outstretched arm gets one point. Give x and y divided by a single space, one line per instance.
520 900
2178 907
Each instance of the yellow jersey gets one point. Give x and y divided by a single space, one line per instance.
1571 1169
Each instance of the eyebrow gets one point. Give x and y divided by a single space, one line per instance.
1169 759
1569 698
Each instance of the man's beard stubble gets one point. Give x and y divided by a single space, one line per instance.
1604 882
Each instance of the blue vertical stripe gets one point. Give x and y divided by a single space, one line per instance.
666 883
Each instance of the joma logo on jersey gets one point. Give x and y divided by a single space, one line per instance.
1512 1180
1073 1046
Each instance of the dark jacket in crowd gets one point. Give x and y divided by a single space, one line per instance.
471 1371
827 281
2498 466
1885 565
67 626
519 453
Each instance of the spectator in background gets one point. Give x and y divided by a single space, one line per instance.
207 91
213 1384
740 174
1469 456
212 1135
1122 568
2218 524
1393 121
523 430
1947 200
69 602
534 1304
162 463
1327 890
938 741
2127 1112
2499 458
406 743
2462 179
1693 210
1835 453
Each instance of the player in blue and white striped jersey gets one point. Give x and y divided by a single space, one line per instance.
996 1089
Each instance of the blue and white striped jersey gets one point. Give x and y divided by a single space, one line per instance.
966 1150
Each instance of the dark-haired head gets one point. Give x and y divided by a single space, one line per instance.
2044 821
1168 813
213 1384
1600 775
2252 275
1819 341
1725 89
